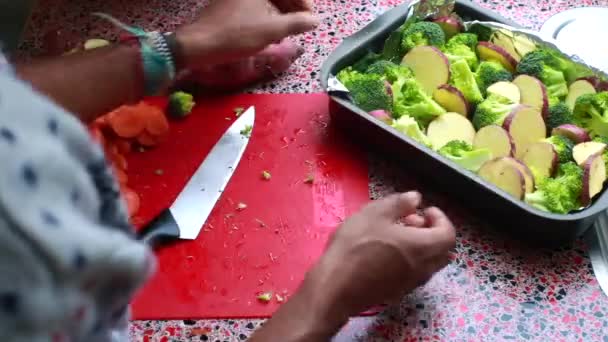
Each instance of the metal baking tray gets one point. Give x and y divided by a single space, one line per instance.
510 215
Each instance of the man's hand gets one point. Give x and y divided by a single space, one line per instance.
228 30
371 259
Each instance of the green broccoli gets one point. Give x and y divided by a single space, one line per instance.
463 154
467 39
464 79
180 104
490 72
563 146
368 91
545 65
591 113
389 70
561 194
409 126
367 60
483 33
559 114
422 33
492 111
392 50
410 99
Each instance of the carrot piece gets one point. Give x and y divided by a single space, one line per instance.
132 199
120 175
123 145
148 140
127 122
156 121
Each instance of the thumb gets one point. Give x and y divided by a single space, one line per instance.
396 206
290 24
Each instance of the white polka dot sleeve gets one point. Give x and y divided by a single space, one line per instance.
69 264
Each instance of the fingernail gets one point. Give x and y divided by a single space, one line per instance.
412 196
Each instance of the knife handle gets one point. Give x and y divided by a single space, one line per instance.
162 230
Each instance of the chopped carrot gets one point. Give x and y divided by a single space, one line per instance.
121 176
127 122
123 145
148 140
132 199
156 121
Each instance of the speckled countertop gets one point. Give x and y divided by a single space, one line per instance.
493 290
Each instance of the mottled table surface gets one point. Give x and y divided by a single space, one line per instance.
493 290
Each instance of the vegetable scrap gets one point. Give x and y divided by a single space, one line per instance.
266 175
241 206
180 104
238 111
309 179
518 114
265 297
279 298
159 172
247 131
260 222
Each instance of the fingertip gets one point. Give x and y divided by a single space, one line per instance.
301 22
415 220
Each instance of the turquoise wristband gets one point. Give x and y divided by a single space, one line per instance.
157 60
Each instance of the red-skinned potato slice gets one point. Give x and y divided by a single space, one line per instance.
594 176
533 93
572 132
451 99
576 89
581 152
542 157
491 52
451 26
382 115
505 89
448 127
430 66
504 175
496 139
526 172
526 126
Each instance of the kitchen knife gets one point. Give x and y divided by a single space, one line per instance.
184 219
597 243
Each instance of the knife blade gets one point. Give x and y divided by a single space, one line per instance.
185 217
597 243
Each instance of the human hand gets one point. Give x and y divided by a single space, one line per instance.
373 259
228 30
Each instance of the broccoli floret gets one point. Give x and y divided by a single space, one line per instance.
490 72
544 65
464 155
180 104
492 111
392 50
559 114
467 39
422 33
483 33
561 194
367 60
368 91
409 126
464 79
563 146
591 113
390 70
410 99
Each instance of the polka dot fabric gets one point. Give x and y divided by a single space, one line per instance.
60 255
494 289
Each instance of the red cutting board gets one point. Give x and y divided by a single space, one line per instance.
269 245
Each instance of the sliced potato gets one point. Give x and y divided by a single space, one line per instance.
533 93
526 172
594 176
496 139
526 126
430 66
504 175
505 89
451 99
576 89
505 40
541 157
448 127
572 132
581 152
491 52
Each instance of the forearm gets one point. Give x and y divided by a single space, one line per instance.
310 315
88 83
